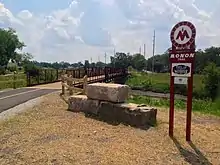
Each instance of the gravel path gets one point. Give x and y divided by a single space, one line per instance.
154 94
49 134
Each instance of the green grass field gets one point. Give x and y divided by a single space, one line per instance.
13 81
160 82
20 79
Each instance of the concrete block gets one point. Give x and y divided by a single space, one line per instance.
108 92
130 114
139 115
81 103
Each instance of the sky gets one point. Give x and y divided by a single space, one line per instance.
78 30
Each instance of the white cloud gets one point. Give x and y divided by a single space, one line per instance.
88 28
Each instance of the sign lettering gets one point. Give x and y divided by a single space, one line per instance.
182 55
182 34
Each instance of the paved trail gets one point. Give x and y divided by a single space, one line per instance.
12 98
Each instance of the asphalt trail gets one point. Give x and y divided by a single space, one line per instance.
12 98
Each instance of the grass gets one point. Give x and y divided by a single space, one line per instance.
13 81
160 82
20 79
201 106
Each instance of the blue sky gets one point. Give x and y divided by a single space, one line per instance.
75 30
35 6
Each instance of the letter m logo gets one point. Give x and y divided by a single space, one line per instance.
182 34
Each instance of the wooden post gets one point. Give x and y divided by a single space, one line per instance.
85 83
14 81
38 76
62 81
70 83
68 75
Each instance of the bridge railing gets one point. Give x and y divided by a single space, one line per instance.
79 78
69 83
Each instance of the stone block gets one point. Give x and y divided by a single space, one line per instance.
108 92
139 115
81 103
130 114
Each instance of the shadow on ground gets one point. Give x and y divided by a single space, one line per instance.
113 122
196 158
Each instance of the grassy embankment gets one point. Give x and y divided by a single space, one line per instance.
159 82
13 81
20 79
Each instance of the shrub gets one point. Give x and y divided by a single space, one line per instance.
211 80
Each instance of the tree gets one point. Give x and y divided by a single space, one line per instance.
86 64
121 60
12 66
100 64
9 43
211 80
202 58
22 58
138 62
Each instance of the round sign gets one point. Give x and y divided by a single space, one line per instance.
183 34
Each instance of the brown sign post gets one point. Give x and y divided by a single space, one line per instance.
182 56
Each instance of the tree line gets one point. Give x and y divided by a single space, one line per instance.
207 61
12 59
10 46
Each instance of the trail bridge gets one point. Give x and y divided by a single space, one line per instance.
94 74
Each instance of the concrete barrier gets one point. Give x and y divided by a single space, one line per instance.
81 103
131 114
127 113
107 92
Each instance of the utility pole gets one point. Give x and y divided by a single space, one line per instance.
153 51
105 58
91 59
144 51
145 54
98 59
140 50
114 58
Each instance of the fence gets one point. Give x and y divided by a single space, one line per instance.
67 81
43 76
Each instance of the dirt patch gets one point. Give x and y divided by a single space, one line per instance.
49 134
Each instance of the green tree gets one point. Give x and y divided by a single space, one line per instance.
138 62
211 80
100 64
86 63
121 60
12 66
9 43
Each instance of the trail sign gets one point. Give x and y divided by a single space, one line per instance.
182 56
181 69
183 34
